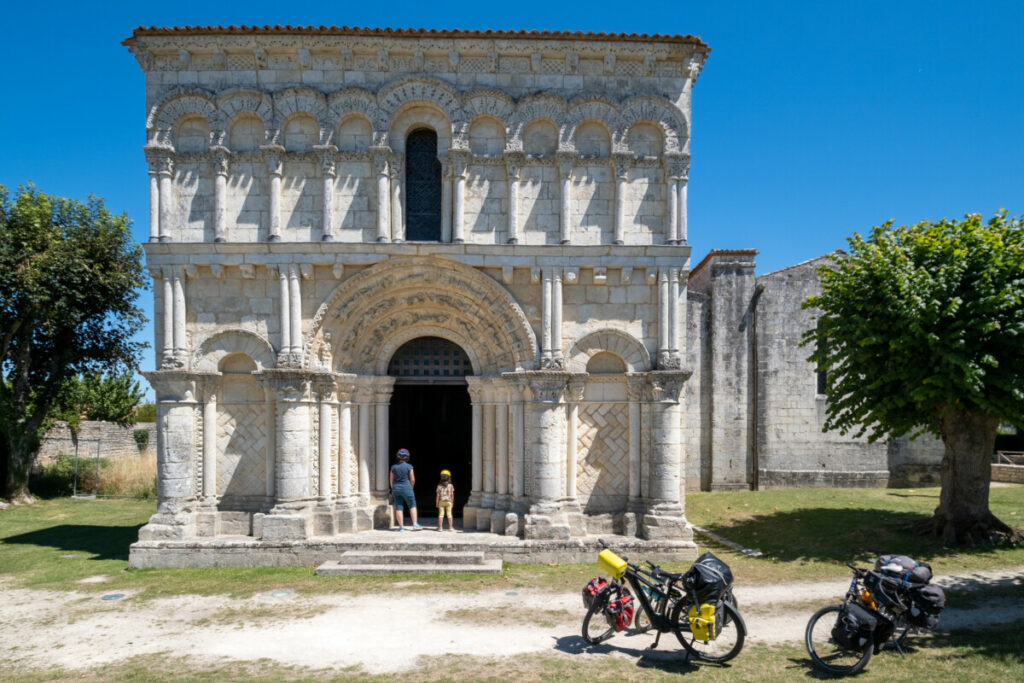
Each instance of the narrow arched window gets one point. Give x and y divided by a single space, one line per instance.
422 187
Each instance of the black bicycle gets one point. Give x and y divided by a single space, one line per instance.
710 631
878 612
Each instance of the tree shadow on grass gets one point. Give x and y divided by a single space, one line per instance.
670 657
849 534
104 542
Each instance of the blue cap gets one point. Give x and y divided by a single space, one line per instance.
403 454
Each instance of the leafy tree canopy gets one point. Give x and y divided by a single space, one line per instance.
69 277
98 396
921 320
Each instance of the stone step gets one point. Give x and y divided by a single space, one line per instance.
338 568
405 556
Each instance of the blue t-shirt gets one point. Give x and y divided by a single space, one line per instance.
401 471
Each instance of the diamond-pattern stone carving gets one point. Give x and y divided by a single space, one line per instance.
602 451
241 448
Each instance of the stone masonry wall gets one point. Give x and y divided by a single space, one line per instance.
113 441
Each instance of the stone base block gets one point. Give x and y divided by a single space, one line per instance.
167 527
234 523
511 524
285 527
483 520
498 522
661 527
547 527
578 525
206 523
469 515
630 527
324 522
383 516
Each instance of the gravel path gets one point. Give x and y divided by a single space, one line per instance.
78 630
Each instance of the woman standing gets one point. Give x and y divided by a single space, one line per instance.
402 480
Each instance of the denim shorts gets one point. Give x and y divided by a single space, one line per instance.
404 498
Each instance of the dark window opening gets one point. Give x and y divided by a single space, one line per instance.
422 187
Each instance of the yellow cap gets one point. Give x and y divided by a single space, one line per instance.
443 472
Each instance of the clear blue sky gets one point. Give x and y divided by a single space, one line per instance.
811 120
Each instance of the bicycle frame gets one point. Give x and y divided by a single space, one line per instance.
660 622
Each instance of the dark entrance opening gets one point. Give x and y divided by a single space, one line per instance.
431 416
435 424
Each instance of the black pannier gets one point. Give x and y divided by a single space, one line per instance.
887 591
854 628
926 603
708 578
904 568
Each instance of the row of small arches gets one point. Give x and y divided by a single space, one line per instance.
487 122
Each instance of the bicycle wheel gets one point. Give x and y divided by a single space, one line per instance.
720 650
597 627
827 654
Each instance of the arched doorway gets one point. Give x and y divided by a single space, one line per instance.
430 415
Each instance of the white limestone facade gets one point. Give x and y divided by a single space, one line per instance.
325 199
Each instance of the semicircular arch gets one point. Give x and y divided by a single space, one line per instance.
374 312
632 352
216 347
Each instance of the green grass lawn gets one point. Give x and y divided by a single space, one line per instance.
805 534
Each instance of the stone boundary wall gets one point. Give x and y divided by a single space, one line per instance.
1008 474
114 441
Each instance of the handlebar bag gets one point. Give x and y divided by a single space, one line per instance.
708 578
854 627
910 572
926 603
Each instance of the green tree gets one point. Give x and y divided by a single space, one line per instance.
921 330
69 275
95 395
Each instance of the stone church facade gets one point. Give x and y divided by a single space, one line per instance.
473 245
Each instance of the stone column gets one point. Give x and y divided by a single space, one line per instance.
664 518
471 510
364 401
501 498
153 163
165 174
397 198
175 447
551 320
459 163
275 171
167 354
295 313
635 391
209 386
513 164
565 161
380 157
284 294
545 451
220 193
329 171
383 386
323 516
446 200
292 512
621 163
675 172
180 339
681 237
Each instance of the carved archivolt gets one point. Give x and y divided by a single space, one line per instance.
372 314
215 347
176 105
628 348
382 108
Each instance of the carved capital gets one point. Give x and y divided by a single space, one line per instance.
565 160
575 386
381 155
272 155
514 163
173 386
669 359
677 166
325 386
459 159
221 156
545 387
397 166
287 385
159 160
327 160
622 162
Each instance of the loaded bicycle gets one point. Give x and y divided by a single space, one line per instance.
697 606
881 607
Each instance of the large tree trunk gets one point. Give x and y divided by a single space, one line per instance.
15 472
963 515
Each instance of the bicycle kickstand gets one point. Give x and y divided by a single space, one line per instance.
899 649
654 645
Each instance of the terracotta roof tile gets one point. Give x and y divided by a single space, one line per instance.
147 31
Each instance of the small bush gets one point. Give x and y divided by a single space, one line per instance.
58 478
141 438
145 413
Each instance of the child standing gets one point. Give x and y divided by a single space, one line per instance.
445 498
